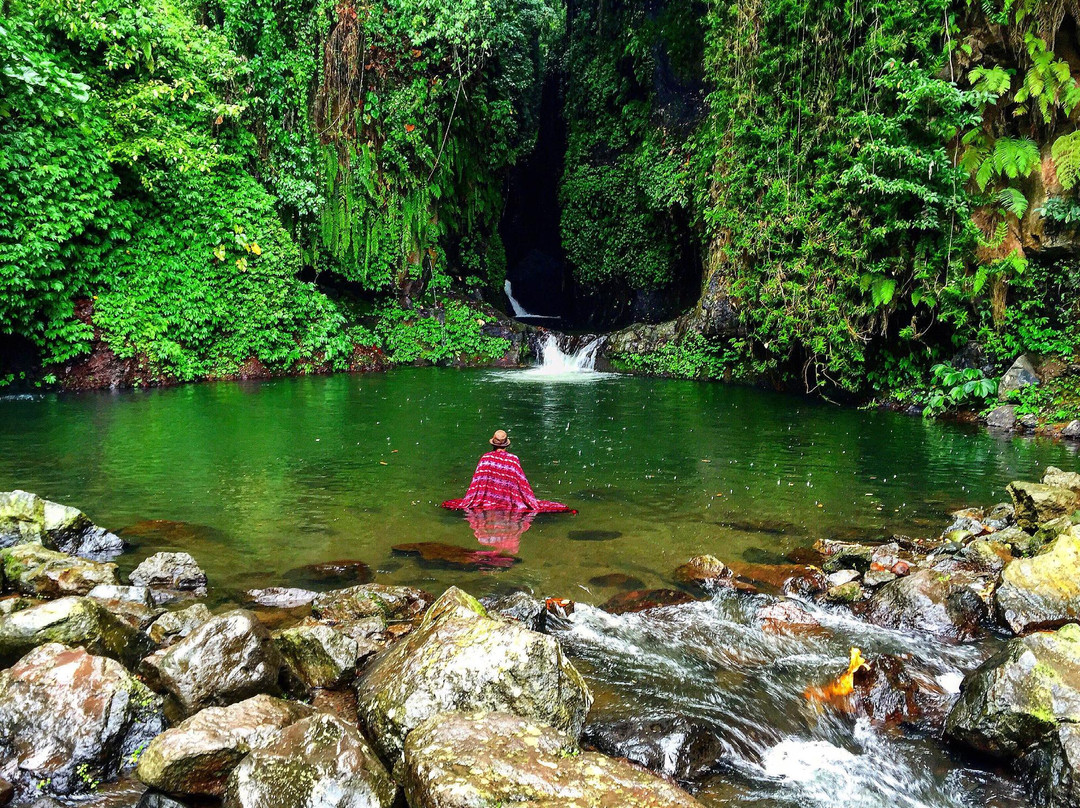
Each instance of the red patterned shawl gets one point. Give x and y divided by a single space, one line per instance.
499 484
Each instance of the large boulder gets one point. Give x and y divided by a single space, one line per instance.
69 719
196 757
1044 591
31 569
1017 697
227 659
318 761
1071 430
1020 374
684 749
1062 479
371 600
27 518
946 603
466 760
71 621
318 655
459 658
169 575
1037 503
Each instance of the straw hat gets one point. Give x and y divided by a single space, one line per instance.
500 440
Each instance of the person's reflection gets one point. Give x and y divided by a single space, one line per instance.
500 530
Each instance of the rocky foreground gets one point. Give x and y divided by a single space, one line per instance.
135 693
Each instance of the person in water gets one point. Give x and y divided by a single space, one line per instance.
499 484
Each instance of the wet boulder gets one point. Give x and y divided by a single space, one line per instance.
459 658
371 600
318 655
1015 700
893 689
31 569
317 761
227 659
1037 503
173 626
1043 591
281 597
464 760
196 757
519 606
69 719
987 555
945 603
27 518
1003 417
681 748
839 555
1052 768
703 571
127 594
71 621
170 575
1057 478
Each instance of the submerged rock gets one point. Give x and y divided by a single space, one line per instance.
1044 591
371 600
31 569
196 757
1037 503
640 600
343 571
71 621
1016 705
69 719
487 759
27 518
459 658
453 557
227 659
894 689
167 573
947 604
318 655
173 626
317 761
681 748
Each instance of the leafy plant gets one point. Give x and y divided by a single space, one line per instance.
953 388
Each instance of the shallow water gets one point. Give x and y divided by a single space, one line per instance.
257 479
273 475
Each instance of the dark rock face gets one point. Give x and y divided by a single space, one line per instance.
639 600
1044 591
1072 430
1020 374
458 658
947 604
318 761
227 659
894 689
68 719
1052 769
345 571
464 760
27 518
196 757
676 747
371 600
71 621
31 569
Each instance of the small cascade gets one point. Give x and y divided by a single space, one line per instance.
554 361
517 308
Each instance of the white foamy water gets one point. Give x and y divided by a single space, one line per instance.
518 310
557 366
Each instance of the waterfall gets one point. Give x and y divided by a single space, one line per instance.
554 362
517 308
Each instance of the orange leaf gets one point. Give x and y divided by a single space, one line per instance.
409 127
220 120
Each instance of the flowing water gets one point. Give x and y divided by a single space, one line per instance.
257 479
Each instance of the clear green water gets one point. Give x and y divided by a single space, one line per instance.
258 479
278 474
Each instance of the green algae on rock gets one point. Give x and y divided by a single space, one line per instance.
32 569
459 658
71 621
318 655
1042 592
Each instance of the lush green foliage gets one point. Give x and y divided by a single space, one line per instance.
451 333
954 388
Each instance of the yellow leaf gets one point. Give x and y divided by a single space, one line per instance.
219 252
255 248
241 264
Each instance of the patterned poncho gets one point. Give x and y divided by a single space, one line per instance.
499 484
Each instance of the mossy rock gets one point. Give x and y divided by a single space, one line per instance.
318 655
1043 591
1037 503
34 570
371 600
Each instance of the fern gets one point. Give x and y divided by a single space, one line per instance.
1066 154
1015 157
1014 201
